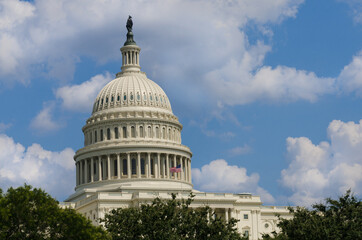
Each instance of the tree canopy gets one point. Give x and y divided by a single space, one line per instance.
333 220
169 219
27 213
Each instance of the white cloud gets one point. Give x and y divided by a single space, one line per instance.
218 176
81 97
327 169
350 78
240 150
356 7
43 122
52 171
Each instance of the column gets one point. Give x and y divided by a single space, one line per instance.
127 58
92 170
77 173
149 163
118 166
138 165
186 169
86 170
174 164
226 214
81 172
182 168
189 161
163 167
99 168
157 166
109 166
128 165
167 166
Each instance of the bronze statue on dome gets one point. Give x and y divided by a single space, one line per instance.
129 24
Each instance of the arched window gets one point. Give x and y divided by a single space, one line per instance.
164 133
141 132
108 134
124 97
106 99
134 166
124 132
125 167
95 136
133 132
112 99
142 166
90 137
116 132
151 166
118 98
101 135
149 132
157 132
169 133
138 97
131 98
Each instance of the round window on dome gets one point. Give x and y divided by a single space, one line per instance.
131 97
124 97
266 225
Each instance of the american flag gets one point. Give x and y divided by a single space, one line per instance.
176 169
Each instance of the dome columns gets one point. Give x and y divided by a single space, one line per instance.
130 58
132 165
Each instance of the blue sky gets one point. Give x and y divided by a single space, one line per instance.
268 92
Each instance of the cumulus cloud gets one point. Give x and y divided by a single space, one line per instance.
4 126
43 122
52 171
81 97
327 169
350 78
219 176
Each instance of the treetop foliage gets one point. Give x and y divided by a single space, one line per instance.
333 220
169 219
30 213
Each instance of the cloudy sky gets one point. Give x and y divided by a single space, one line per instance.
269 92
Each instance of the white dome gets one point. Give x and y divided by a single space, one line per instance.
131 90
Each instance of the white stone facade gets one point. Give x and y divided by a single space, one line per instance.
131 141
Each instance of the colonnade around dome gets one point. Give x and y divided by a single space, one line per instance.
132 165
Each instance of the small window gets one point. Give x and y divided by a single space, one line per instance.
246 216
138 97
116 132
115 167
160 99
134 168
133 132
142 166
150 97
94 168
102 101
112 99
95 136
131 97
101 135
156 98
266 225
106 99
151 166
246 233
141 132
108 134
124 97
149 133
124 132
118 98
144 97
124 166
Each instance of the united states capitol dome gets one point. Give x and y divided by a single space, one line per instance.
131 90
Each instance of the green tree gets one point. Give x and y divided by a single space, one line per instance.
169 219
27 213
334 220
